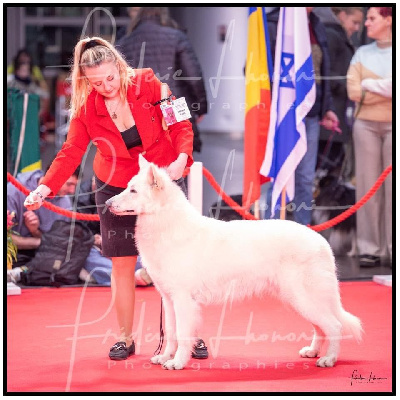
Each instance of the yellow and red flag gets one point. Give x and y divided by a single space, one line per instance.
258 103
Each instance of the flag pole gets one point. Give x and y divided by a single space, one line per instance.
283 204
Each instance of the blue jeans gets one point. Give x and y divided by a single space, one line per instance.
305 174
99 267
304 177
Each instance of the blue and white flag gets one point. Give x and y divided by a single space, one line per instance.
293 95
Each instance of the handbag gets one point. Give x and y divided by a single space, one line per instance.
61 255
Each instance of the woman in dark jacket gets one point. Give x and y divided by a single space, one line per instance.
155 42
341 24
345 22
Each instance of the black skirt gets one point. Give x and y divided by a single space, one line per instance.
118 232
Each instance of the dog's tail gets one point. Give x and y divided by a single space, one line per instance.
351 325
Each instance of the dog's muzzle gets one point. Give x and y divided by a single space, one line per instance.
111 207
115 209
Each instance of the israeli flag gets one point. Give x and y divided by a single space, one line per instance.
293 95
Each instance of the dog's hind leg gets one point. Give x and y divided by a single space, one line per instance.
316 344
187 314
330 327
170 333
319 310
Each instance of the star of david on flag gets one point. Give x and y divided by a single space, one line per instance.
293 95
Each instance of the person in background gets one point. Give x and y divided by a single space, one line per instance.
97 267
22 80
25 76
321 114
124 30
154 41
24 57
340 27
369 84
29 225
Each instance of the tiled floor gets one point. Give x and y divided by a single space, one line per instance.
222 155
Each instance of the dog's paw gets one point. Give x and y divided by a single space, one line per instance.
308 352
173 364
160 359
327 361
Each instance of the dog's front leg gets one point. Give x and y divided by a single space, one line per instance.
187 314
170 333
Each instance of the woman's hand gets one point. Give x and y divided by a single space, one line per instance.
36 198
175 170
33 201
331 122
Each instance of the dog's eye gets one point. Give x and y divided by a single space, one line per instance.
133 191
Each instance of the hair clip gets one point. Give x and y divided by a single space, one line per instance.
89 45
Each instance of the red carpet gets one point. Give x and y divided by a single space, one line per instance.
58 340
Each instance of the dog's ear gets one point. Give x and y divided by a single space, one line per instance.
155 179
142 162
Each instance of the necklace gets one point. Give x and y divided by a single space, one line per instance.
113 114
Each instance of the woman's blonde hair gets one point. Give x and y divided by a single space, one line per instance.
91 52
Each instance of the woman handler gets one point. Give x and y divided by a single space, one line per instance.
117 108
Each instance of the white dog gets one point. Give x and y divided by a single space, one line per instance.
196 260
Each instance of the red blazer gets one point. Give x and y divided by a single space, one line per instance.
113 162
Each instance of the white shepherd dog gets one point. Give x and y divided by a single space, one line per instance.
195 260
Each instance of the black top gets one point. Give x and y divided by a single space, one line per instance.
131 137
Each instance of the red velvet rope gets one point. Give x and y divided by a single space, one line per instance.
357 206
52 207
318 228
245 214
239 209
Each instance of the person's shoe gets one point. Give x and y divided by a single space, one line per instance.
120 352
14 275
200 350
367 260
86 277
142 278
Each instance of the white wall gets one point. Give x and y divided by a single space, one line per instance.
226 96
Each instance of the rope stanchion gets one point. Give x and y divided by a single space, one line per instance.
52 207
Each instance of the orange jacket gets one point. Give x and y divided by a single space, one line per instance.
113 162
